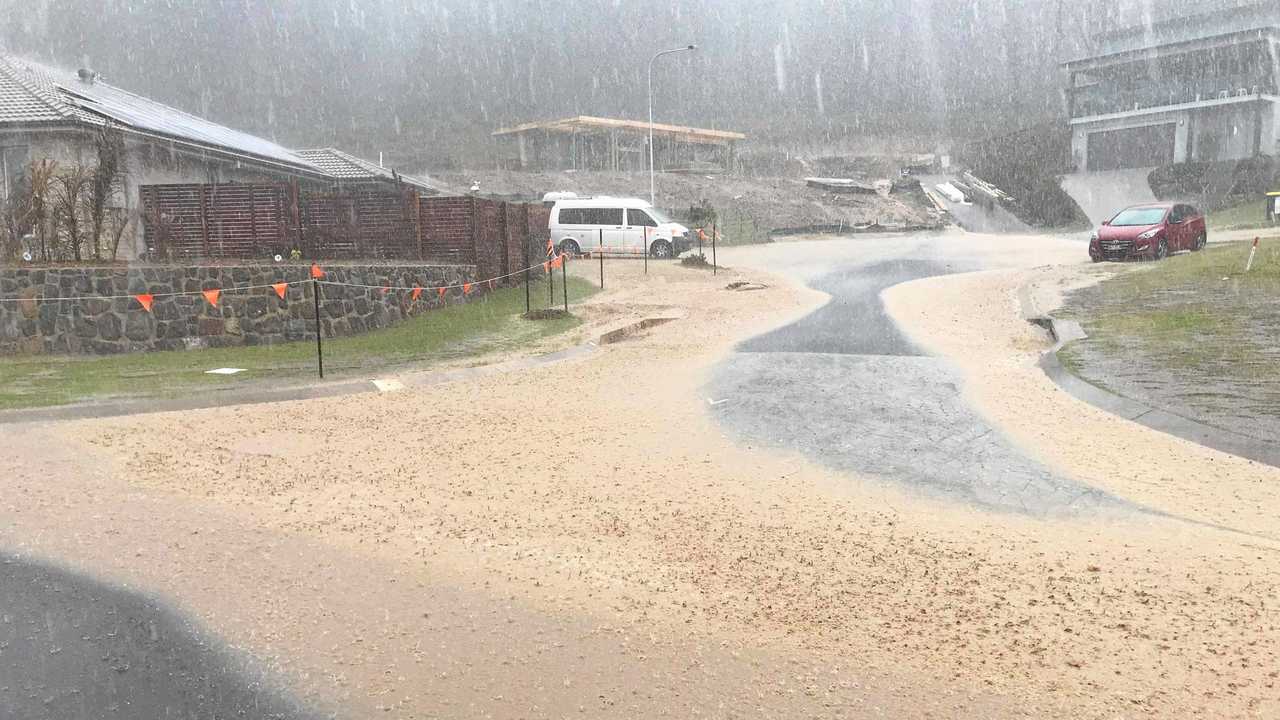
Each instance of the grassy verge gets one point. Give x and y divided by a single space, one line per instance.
1245 216
488 324
1195 272
1194 333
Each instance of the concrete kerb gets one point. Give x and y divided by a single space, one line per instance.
1066 331
313 391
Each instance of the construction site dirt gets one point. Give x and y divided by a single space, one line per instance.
748 209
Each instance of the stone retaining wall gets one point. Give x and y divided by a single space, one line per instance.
83 320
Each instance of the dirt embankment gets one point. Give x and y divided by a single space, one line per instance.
750 208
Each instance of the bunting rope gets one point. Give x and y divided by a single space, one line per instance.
212 295
542 265
241 288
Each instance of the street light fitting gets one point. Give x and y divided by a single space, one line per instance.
686 48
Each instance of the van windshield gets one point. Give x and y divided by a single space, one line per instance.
658 215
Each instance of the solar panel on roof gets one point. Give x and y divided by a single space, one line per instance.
32 92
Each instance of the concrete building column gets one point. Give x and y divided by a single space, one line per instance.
1257 127
1271 114
1273 48
1182 137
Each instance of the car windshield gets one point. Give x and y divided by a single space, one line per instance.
1138 216
639 359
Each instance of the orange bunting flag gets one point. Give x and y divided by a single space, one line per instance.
546 267
441 291
466 288
551 247
211 296
281 289
145 300
385 289
417 293
491 283
558 261
316 272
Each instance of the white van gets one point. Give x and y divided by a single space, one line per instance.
615 226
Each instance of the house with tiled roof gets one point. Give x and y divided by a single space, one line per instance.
350 171
48 113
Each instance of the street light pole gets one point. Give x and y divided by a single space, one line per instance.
687 48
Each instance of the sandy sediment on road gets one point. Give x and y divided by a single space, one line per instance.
975 321
582 537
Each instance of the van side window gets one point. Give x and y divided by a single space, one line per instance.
604 216
572 216
640 218
591 216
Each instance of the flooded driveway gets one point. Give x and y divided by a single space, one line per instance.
845 388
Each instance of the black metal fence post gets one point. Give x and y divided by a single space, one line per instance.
315 296
645 250
551 285
714 231
527 308
601 254
564 280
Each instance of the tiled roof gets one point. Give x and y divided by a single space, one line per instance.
23 98
32 92
338 164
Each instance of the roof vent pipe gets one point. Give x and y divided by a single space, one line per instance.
86 75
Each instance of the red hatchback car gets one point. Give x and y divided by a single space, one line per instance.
1149 231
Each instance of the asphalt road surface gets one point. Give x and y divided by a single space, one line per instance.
72 648
845 388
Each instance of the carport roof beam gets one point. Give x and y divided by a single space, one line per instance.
583 123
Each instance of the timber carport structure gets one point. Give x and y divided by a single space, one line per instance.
595 143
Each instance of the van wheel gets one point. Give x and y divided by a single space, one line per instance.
570 248
661 249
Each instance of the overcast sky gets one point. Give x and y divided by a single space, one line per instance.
427 81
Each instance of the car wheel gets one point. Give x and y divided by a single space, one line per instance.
570 248
661 249
1201 241
1162 250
